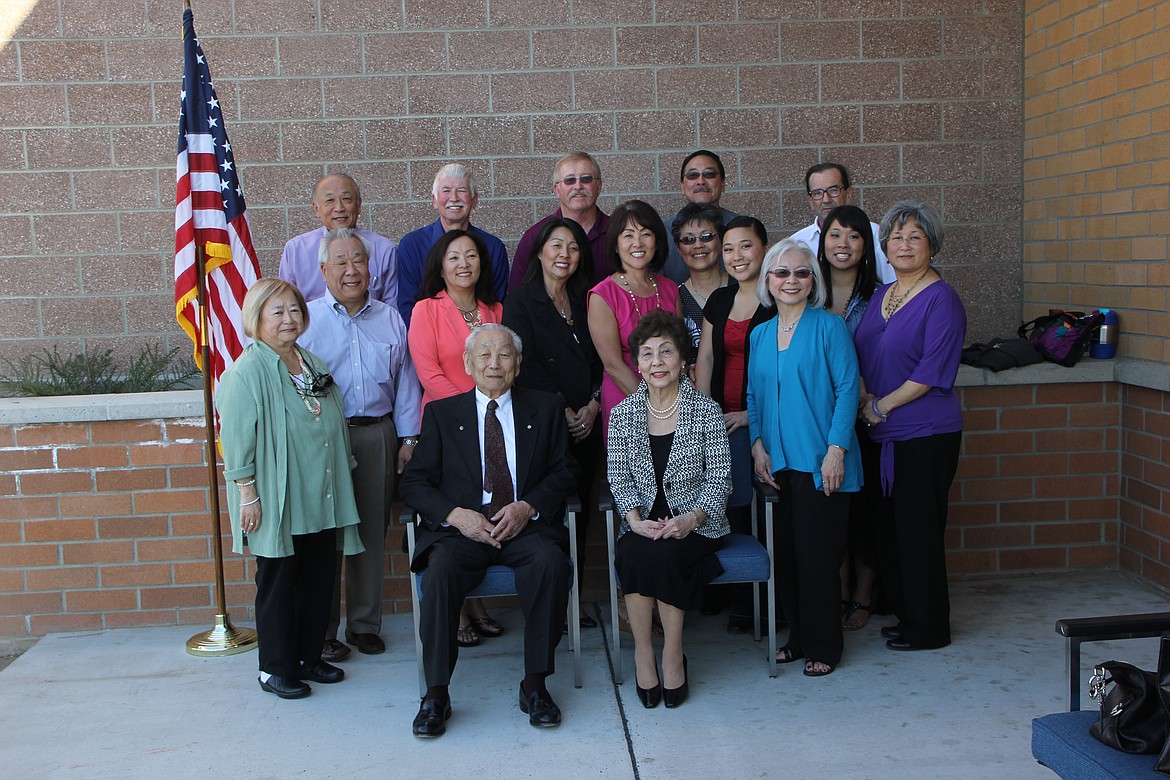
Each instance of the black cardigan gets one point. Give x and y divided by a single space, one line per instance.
553 360
717 311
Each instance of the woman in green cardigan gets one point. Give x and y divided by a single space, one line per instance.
287 462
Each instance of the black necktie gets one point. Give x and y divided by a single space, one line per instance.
497 479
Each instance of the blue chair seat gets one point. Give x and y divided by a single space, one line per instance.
1061 742
743 558
498 580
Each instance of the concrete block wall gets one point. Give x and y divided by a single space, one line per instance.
1097 164
918 99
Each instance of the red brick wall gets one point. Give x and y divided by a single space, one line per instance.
1145 483
1038 480
104 524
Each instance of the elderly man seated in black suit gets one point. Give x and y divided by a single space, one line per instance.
489 479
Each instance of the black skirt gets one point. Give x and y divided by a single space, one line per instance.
672 571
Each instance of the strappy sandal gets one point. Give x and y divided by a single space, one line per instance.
810 669
487 627
785 655
849 623
466 636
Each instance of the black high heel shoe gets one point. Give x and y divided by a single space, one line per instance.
649 696
672 697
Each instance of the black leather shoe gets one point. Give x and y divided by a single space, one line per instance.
432 717
587 622
650 696
367 644
739 624
892 632
901 644
542 711
672 697
321 672
285 687
334 650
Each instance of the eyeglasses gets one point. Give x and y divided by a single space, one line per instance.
913 239
784 273
832 192
691 238
709 173
569 181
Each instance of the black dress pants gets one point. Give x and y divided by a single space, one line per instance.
292 603
810 545
912 539
456 565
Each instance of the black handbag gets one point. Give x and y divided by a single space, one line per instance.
1000 354
1133 712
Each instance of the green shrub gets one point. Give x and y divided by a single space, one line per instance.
90 373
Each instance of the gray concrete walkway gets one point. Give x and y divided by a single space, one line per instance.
132 703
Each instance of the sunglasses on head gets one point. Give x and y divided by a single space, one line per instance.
704 237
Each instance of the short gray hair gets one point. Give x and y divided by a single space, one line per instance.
816 299
469 343
454 171
335 235
356 189
923 215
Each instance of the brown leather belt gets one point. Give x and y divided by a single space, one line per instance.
355 422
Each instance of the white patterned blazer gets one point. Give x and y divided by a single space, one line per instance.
698 470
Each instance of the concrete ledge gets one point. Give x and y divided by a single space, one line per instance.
1127 371
189 403
90 408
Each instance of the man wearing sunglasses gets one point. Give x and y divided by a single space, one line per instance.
702 178
363 341
577 183
828 187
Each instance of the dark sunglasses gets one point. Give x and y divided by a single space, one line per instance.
710 173
569 181
704 237
784 273
318 384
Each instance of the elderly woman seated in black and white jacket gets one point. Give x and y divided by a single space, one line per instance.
669 472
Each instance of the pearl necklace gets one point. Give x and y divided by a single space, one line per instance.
634 298
894 302
663 414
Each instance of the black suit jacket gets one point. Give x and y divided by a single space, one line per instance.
554 361
446 472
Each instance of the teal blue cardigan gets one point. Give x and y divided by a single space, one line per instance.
817 387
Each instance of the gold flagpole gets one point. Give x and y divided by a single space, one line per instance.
224 638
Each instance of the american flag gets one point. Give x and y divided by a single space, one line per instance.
210 213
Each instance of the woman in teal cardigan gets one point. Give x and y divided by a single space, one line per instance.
287 463
802 396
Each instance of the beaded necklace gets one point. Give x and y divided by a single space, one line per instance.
634 298
663 414
894 302
302 386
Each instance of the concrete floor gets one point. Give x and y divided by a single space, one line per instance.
132 703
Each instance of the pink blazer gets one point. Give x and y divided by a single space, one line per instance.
436 337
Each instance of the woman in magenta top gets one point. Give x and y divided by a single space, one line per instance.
908 345
637 247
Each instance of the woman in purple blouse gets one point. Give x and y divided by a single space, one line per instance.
908 346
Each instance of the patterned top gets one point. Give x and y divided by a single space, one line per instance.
698 472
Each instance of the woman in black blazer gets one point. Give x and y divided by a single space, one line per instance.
548 312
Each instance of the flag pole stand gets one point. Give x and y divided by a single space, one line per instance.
224 638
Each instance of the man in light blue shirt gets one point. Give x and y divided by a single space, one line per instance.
454 197
363 341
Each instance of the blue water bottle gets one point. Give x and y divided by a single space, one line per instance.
1104 346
